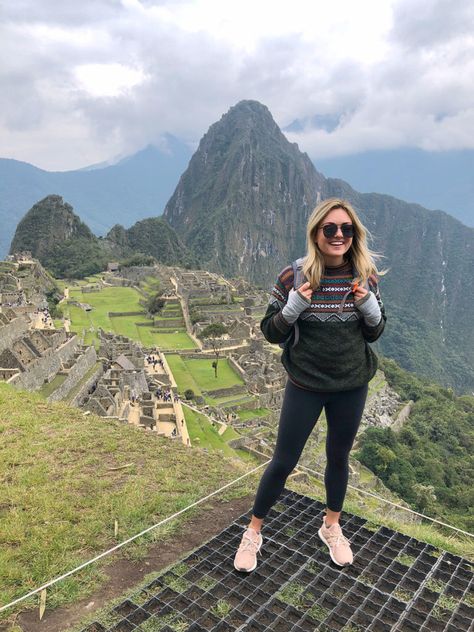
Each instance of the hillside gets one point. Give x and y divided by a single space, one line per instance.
87 472
66 246
57 237
153 236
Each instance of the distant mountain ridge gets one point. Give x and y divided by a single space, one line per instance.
136 187
436 180
241 207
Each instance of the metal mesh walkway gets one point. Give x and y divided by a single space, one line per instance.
395 583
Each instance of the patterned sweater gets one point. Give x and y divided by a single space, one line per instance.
332 353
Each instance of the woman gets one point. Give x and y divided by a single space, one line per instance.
329 364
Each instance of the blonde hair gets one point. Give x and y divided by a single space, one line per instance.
362 258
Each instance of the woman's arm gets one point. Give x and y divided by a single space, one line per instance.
283 309
373 313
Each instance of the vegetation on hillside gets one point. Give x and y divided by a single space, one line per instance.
430 461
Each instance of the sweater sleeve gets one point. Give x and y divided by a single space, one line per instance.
273 325
371 334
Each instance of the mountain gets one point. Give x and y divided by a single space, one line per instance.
136 187
242 205
56 236
152 236
437 180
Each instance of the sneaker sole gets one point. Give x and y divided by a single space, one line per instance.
330 552
249 570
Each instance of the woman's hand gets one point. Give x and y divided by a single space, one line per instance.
306 290
359 292
297 301
366 302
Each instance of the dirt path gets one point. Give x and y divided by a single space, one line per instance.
123 574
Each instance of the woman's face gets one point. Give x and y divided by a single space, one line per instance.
333 248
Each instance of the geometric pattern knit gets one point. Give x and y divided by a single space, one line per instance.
326 299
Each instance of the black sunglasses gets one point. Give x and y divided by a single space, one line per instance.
330 230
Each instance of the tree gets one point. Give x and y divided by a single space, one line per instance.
155 303
213 332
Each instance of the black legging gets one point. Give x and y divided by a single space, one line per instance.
299 414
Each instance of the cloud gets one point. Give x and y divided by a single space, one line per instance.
388 74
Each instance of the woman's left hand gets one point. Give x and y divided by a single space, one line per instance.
359 292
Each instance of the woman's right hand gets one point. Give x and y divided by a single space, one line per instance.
297 302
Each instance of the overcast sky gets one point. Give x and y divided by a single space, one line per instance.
83 81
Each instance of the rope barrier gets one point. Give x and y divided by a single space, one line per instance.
390 502
118 546
165 520
385 500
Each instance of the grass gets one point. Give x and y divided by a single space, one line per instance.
121 299
229 434
61 496
152 338
435 585
402 594
198 375
292 594
171 621
444 603
406 560
250 413
47 389
203 373
202 433
221 609
178 584
206 583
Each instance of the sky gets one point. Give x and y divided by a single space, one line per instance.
95 80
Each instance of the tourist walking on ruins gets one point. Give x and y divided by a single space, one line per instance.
325 317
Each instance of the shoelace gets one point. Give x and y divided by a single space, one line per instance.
337 539
248 544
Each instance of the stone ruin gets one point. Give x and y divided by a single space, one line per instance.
261 370
29 358
128 389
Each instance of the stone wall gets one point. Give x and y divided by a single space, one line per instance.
403 416
43 369
13 330
83 393
230 342
7 374
75 374
237 368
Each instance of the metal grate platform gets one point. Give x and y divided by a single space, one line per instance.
395 583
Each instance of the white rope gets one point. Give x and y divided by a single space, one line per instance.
118 546
390 502
385 500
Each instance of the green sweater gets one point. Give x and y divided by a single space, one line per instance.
332 353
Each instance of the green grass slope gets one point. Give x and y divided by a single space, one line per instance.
66 478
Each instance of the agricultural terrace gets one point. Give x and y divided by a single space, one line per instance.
198 375
107 302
